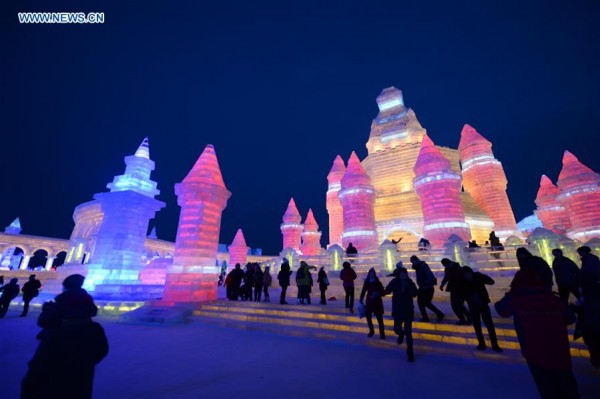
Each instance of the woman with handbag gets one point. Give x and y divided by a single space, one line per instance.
373 290
323 281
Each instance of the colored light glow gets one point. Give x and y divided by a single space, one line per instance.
358 233
384 106
393 135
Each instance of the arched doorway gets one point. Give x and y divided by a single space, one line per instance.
12 258
39 258
60 259
408 237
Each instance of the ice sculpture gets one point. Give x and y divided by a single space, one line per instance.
88 218
484 179
311 236
291 229
438 188
580 196
334 206
358 197
14 227
202 196
238 250
127 210
552 215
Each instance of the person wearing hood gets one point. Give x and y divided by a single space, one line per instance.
426 281
373 290
528 261
284 279
403 290
348 275
9 292
303 280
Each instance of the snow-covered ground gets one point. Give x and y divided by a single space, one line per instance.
207 361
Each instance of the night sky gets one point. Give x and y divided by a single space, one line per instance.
280 88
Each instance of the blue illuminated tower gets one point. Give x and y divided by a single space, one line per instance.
127 209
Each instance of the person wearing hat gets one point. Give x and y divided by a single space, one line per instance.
403 290
30 290
373 290
9 292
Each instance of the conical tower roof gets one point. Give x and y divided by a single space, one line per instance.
291 214
14 227
153 233
206 170
239 240
574 173
430 159
143 150
310 224
470 137
547 192
337 171
355 175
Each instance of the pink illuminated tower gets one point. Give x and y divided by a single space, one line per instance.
438 188
484 179
291 229
311 236
552 215
580 196
334 206
202 196
238 250
357 197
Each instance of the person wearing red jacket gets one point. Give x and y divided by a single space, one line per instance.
348 275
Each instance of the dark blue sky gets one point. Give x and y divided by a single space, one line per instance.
280 88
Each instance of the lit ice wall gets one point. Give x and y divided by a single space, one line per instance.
202 196
334 206
484 179
291 228
358 197
438 188
238 250
580 196
126 210
88 218
552 215
311 236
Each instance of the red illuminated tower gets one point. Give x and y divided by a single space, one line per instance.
291 229
484 179
357 197
334 206
311 236
202 196
438 188
580 196
552 215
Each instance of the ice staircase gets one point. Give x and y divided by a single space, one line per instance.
333 322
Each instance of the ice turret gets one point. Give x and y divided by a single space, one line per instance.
202 196
438 188
14 227
311 236
238 250
357 197
334 206
291 229
580 196
552 215
484 179
126 211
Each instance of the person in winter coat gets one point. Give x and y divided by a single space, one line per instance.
258 282
71 345
566 274
453 279
248 282
9 292
30 290
589 276
541 320
528 261
588 323
323 282
426 281
303 280
284 279
478 299
267 281
348 275
403 290
373 290
237 275
351 251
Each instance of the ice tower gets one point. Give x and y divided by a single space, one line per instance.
291 229
580 196
357 197
127 210
311 236
14 227
334 206
438 188
238 250
202 196
484 179
552 215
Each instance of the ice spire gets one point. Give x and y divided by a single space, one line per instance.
334 206
238 250
137 173
14 227
291 229
552 215
311 236
143 150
